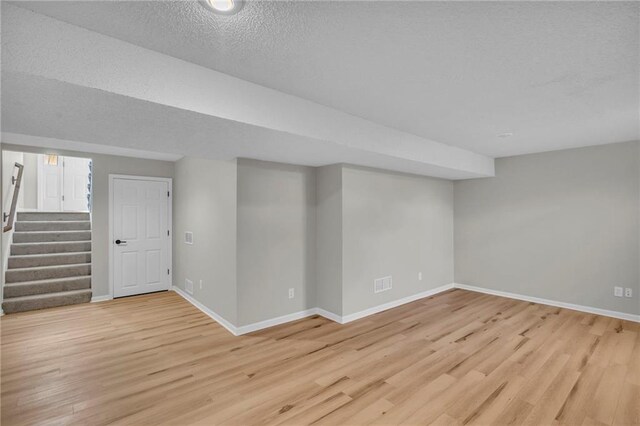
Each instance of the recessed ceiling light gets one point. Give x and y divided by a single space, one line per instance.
505 135
223 7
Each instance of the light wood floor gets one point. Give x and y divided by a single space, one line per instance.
455 358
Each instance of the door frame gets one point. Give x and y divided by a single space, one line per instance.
169 181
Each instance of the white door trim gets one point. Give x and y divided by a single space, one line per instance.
169 182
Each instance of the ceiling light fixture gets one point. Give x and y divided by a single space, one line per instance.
505 135
223 7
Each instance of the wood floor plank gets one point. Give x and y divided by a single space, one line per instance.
456 358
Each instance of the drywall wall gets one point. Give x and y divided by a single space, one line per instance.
103 166
276 239
205 200
29 186
560 225
329 238
397 225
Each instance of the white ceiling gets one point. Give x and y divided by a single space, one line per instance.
555 74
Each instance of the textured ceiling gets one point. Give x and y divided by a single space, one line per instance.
555 74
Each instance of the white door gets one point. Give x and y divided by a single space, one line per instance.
141 244
75 188
63 183
50 183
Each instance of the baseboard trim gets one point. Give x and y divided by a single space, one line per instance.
393 304
250 328
580 308
97 299
329 315
217 318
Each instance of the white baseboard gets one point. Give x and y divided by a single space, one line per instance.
394 304
96 299
217 318
237 331
244 329
250 328
581 308
329 315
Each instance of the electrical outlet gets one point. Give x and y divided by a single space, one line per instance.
291 293
617 291
628 292
200 284
419 276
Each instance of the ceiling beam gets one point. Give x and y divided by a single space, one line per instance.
40 46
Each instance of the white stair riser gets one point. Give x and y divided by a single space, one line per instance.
44 287
41 237
64 247
46 273
43 216
48 260
53 226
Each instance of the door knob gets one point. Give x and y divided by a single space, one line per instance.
118 242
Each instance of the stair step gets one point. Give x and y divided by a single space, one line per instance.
35 260
41 237
52 247
51 216
29 288
46 272
60 225
42 301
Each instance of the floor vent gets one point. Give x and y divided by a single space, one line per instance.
382 284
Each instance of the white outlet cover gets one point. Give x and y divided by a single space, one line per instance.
419 276
291 293
628 292
617 291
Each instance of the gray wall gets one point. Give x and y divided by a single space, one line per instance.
394 224
559 225
103 166
276 239
204 203
329 238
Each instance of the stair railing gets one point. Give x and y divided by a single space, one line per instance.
16 181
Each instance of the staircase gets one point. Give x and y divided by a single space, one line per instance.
49 263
